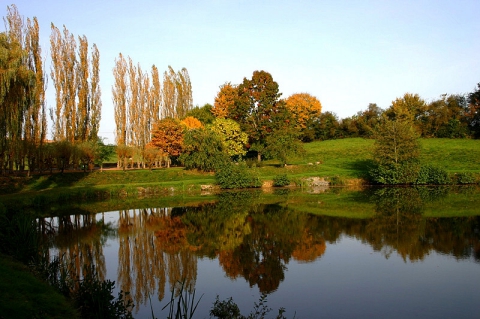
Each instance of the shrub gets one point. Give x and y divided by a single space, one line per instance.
94 298
406 173
281 180
337 181
432 175
465 178
236 176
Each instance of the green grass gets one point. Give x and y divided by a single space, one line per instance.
454 155
344 158
24 296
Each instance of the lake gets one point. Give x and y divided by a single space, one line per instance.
331 253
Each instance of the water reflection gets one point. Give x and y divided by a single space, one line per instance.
256 238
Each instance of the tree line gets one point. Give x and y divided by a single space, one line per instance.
156 122
140 100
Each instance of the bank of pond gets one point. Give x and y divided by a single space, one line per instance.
333 252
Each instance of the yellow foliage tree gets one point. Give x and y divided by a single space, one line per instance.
191 122
304 108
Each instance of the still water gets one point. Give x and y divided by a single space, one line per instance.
379 253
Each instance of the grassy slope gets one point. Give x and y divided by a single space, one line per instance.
24 296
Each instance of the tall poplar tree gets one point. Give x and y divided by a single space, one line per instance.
119 94
76 79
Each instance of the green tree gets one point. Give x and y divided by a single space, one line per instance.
203 150
409 107
445 117
396 152
473 113
284 145
259 110
327 126
232 137
203 114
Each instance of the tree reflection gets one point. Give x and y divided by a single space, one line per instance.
78 239
153 246
255 240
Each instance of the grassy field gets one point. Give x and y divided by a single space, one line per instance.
344 158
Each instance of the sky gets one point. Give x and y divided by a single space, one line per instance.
346 53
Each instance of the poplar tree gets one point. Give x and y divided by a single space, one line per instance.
76 78
119 95
95 96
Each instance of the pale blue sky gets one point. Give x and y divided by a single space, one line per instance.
346 53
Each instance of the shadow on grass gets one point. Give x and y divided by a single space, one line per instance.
40 182
361 167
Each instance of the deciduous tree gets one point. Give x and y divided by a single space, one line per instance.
396 152
225 100
304 108
232 137
259 110
167 135
473 113
203 150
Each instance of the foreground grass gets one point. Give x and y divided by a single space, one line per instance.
24 296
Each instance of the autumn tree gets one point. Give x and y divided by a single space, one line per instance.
304 109
75 75
191 122
119 96
177 93
259 110
167 136
224 101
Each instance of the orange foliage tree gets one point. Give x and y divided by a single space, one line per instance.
225 100
304 108
167 135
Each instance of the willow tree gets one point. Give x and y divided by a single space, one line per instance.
22 91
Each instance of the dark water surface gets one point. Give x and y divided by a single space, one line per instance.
383 253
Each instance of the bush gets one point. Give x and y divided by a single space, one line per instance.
281 180
236 176
406 173
432 175
465 178
94 298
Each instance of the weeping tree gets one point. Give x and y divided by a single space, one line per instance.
22 93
